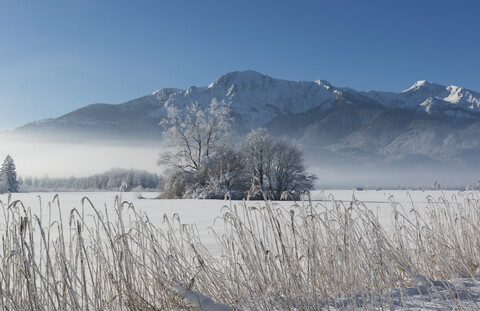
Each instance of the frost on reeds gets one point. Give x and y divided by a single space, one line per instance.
324 255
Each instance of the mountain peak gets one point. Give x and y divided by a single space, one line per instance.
237 77
243 75
166 91
423 85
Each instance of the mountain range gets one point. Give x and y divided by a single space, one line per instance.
427 123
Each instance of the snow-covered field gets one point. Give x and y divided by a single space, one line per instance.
203 213
424 293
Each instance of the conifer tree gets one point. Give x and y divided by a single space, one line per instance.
8 175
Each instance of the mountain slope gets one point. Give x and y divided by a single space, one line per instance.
428 121
432 98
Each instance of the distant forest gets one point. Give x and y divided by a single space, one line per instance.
110 180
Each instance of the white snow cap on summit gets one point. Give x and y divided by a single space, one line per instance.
237 77
424 85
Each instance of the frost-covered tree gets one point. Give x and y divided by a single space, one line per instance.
176 183
225 174
276 166
8 175
288 172
197 136
257 152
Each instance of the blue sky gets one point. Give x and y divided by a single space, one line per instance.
57 56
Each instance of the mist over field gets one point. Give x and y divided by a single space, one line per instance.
335 172
410 139
38 156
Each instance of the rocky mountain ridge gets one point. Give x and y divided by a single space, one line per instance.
427 122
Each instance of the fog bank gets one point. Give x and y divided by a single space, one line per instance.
37 157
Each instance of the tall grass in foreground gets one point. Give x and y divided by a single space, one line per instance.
310 256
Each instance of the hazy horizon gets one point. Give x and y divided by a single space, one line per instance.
36 156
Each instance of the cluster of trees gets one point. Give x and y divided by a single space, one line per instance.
110 180
8 176
207 163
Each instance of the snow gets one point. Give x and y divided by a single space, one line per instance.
203 213
324 83
425 96
415 298
165 92
455 94
416 86
256 99
199 301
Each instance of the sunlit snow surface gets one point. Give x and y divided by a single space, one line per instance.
203 213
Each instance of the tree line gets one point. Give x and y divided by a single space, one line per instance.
111 180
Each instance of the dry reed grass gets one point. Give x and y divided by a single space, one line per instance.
311 256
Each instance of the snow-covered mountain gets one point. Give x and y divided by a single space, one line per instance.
427 121
255 100
429 97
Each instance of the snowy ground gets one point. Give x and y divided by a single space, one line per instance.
203 213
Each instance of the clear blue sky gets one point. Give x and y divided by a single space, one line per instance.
56 56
